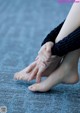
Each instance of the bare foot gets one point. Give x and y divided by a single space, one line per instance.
68 69
23 75
72 78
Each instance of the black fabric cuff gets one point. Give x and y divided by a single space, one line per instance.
53 34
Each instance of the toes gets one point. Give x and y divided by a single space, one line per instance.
34 87
40 72
33 73
16 76
41 87
21 76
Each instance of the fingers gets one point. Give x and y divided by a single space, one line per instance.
38 77
39 74
43 56
33 73
31 67
37 71
42 67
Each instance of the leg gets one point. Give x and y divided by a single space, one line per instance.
69 67
66 29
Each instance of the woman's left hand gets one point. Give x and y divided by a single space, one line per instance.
37 68
41 67
42 62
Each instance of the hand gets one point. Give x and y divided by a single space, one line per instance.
45 51
43 61
42 65
29 72
41 68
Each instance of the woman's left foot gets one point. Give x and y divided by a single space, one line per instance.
23 75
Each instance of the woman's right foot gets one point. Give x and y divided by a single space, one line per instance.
67 73
73 75
73 59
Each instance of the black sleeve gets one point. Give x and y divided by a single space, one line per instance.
53 34
68 44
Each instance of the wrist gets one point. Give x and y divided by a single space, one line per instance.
50 44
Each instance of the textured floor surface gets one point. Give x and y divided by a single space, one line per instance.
23 26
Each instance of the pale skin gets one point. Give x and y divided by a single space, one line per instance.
69 65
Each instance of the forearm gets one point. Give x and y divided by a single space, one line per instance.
72 41
71 23
68 44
